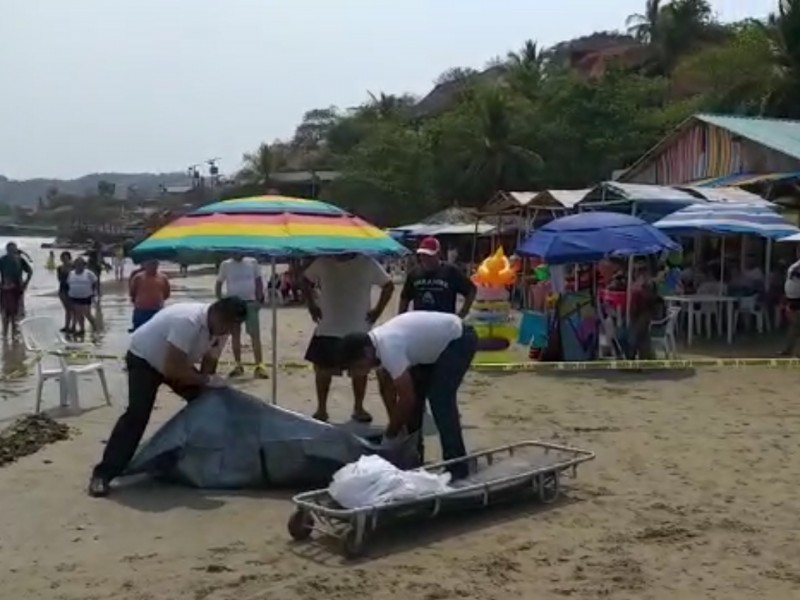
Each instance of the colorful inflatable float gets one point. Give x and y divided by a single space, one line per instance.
491 314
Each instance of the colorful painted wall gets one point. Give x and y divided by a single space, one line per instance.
706 151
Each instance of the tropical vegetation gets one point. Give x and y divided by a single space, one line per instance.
561 117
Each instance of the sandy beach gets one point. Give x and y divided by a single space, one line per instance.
692 495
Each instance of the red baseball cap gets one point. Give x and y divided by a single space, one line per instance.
429 246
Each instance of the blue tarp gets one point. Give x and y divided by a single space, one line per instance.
226 439
728 218
592 236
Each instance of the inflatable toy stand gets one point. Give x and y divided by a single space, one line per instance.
491 314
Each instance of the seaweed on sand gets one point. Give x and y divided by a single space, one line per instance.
28 435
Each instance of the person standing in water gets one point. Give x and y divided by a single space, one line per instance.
119 263
82 285
96 264
62 273
50 265
15 275
149 289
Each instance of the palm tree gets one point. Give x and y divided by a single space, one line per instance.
386 106
645 26
690 23
498 161
672 30
527 68
784 30
530 55
259 166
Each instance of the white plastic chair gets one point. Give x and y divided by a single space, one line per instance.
42 337
706 312
667 339
750 306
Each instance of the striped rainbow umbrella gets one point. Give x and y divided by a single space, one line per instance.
278 227
267 226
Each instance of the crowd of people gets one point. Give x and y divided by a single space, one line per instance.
421 354
79 289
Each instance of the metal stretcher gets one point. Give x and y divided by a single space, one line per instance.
529 468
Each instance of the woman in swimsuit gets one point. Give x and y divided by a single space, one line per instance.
82 286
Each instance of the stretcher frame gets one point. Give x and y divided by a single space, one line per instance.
317 511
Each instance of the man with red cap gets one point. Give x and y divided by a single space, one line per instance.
435 285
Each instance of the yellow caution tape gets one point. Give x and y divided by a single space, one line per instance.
534 366
289 365
636 365
22 371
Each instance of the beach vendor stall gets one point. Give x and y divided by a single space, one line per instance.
717 300
589 237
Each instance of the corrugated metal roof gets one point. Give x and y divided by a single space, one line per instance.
563 198
304 176
745 179
636 192
725 195
782 135
523 198
482 228
614 191
566 198
418 229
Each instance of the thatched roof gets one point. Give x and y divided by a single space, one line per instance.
454 215
445 95
576 49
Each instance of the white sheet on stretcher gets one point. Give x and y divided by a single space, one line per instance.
372 481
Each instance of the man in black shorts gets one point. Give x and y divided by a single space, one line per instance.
340 305
435 285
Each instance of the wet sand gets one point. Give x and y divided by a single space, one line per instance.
17 366
692 495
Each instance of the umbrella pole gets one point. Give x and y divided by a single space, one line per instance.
274 302
767 264
628 293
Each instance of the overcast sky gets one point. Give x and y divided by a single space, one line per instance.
155 85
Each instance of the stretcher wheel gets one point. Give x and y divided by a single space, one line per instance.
300 525
352 543
549 488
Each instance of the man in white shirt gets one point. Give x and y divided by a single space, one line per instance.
241 277
344 306
166 350
791 289
421 355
